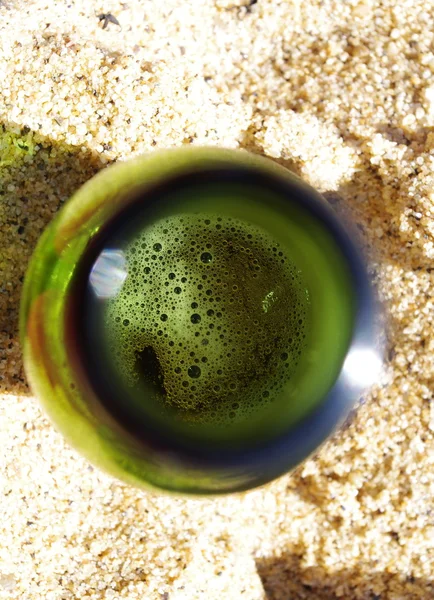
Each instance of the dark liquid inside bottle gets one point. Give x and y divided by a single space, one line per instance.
195 313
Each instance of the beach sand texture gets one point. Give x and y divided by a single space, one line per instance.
341 92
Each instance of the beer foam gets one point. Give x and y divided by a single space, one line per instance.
212 314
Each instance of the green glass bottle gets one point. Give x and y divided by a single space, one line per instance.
197 321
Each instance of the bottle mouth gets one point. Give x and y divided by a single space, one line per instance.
357 362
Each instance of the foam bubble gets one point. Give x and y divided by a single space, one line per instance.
222 348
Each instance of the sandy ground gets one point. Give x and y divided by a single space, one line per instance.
340 92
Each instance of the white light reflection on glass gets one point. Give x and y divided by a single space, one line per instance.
108 273
363 367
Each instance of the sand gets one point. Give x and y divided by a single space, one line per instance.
343 94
